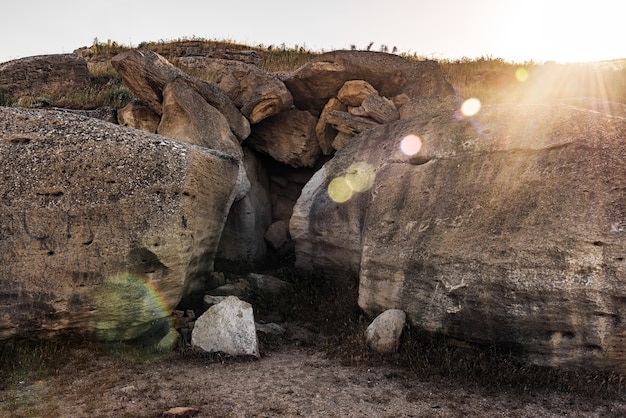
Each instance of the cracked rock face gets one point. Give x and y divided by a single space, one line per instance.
509 227
88 207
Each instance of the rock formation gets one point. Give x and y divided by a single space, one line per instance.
89 207
507 227
43 76
313 84
258 94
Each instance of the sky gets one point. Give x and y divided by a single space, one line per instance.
514 30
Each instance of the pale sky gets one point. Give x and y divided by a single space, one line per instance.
515 30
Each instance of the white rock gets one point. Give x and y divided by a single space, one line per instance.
227 327
383 334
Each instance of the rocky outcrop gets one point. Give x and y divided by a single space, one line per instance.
189 118
99 223
146 74
256 93
313 84
507 228
43 76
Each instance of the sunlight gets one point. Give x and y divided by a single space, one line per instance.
521 74
470 107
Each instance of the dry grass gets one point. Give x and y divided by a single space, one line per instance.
492 80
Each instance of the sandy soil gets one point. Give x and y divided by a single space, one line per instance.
287 381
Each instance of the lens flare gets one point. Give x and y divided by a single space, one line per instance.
360 177
521 74
411 145
127 307
470 107
340 190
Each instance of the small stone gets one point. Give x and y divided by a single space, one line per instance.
181 411
277 234
383 334
227 327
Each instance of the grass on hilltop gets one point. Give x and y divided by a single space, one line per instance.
492 80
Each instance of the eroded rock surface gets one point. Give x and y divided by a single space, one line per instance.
509 228
43 75
85 206
313 84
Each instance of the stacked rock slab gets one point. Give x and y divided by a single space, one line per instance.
93 215
508 227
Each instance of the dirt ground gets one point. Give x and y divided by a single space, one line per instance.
289 380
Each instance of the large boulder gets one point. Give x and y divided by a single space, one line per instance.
288 137
43 75
146 74
313 84
102 228
507 228
182 106
256 93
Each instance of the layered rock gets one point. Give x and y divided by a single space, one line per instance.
88 208
505 228
43 76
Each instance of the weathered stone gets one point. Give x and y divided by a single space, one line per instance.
258 94
43 75
380 109
349 124
139 116
341 140
239 288
181 106
383 334
506 228
288 137
193 54
282 208
270 328
89 209
324 130
106 113
249 218
227 327
353 92
277 234
146 74
266 285
313 84
181 412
